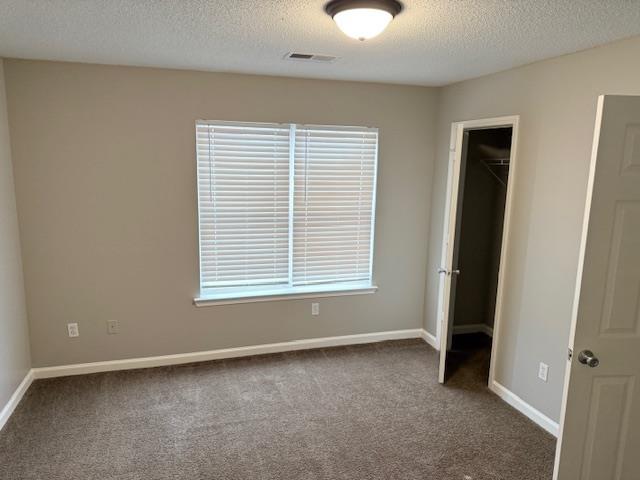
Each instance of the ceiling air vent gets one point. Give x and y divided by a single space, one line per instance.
309 57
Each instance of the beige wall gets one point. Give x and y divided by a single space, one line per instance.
15 360
556 100
105 181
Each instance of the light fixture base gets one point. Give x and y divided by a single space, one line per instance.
336 6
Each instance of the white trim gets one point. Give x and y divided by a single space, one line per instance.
504 249
495 122
457 131
373 206
292 195
14 400
271 296
197 183
429 339
181 358
473 328
523 407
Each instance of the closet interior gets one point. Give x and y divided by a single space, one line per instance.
484 176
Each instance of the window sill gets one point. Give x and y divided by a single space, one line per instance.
277 295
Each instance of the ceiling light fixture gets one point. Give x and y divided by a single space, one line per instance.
362 19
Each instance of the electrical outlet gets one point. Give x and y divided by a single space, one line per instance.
113 327
73 330
543 371
315 309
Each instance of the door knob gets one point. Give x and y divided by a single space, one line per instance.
447 272
586 357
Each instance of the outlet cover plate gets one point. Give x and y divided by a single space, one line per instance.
543 371
73 330
113 327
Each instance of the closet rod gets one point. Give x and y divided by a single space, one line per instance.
486 165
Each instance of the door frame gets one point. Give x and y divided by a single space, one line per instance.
448 236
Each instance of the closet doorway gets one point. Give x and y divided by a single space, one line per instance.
481 170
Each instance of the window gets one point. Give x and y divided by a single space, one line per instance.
284 209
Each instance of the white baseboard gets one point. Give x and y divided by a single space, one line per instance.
147 362
473 328
430 339
180 358
523 407
13 402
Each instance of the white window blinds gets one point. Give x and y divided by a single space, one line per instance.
335 171
284 208
243 191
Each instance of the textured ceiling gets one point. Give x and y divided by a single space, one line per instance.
432 42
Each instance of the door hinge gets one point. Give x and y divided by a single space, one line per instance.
570 354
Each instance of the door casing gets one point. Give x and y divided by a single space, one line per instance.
448 237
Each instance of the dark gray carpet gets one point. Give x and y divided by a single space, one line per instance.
361 412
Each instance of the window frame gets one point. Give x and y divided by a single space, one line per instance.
257 293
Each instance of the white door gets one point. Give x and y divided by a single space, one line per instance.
600 433
449 257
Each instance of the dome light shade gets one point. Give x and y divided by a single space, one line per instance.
363 19
362 23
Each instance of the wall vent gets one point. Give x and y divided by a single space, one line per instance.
309 57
